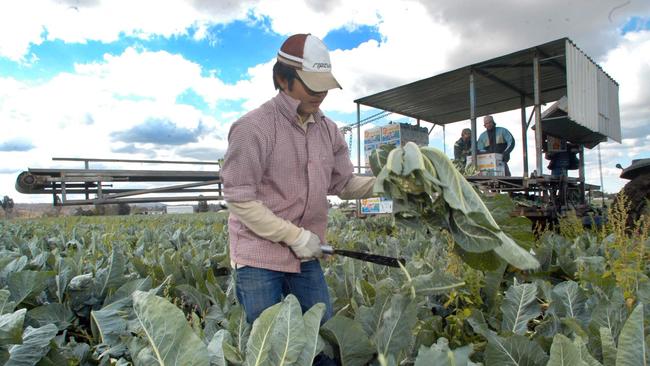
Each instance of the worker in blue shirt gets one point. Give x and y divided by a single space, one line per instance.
496 140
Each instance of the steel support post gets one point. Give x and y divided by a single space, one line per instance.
472 116
581 173
63 193
358 151
524 139
444 139
538 116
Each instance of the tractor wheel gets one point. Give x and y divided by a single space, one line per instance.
638 193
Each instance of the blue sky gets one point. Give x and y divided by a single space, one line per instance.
234 48
151 80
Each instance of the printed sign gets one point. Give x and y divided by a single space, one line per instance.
376 205
372 135
390 133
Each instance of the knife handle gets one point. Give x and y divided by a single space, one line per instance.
327 249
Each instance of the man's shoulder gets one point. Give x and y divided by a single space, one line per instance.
326 119
259 116
505 131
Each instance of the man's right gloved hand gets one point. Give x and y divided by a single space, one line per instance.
307 245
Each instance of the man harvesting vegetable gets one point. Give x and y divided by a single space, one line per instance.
283 159
463 147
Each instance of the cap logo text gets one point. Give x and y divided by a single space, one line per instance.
321 65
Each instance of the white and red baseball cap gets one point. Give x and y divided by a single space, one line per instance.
311 59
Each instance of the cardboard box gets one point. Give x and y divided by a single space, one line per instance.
486 161
397 134
368 148
489 164
555 144
372 136
376 205
499 171
390 133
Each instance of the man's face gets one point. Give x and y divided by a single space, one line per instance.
488 123
310 100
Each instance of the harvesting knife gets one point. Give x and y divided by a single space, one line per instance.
327 249
374 258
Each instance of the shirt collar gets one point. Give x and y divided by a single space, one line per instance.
289 108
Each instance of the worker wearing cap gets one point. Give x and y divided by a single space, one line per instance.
283 160
463 147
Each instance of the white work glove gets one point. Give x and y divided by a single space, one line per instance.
307 245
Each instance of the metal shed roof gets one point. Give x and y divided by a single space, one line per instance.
499 86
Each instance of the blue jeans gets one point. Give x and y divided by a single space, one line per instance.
259 288
558 172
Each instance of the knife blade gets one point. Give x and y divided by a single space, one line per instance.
367 257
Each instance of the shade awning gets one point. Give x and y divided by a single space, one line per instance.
506 83
499 85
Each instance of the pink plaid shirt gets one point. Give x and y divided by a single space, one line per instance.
271 158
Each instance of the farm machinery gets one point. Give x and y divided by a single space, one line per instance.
582 110
89 186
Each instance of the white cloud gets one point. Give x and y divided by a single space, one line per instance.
412 48
99 98
629 65
157 75
491 28
21 24
26 23
318 17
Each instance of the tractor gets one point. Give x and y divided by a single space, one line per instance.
637 189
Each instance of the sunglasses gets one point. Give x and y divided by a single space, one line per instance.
309 91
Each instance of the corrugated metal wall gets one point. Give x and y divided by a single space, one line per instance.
608 113
592 95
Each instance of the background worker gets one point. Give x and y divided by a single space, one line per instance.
564 159
282 161
463 147
496 140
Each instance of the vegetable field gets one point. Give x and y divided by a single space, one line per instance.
148 290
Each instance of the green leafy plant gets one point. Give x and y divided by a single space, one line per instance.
626 249
570 226
427 189
83 290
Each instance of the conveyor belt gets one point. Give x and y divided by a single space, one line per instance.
100 184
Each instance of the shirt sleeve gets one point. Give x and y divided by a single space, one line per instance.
358 187
510 141
244 162
342 171
458 150
260 220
